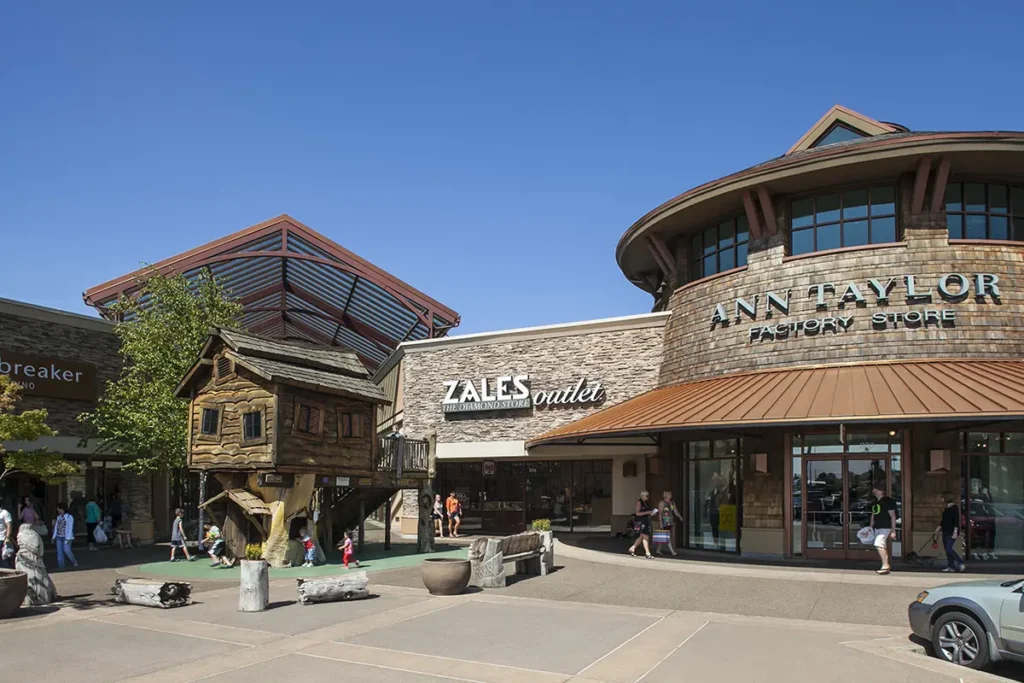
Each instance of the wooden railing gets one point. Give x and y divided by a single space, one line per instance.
399 455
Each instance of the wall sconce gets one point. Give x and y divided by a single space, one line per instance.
938 461
759 462
629 469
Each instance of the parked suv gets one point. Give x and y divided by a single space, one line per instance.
972 623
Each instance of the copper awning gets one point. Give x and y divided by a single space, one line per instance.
892 391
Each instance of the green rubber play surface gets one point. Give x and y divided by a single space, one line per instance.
373 558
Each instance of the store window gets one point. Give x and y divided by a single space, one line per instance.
985 211
713 494
993 500
843 219
719 248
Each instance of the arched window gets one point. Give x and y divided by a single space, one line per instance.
719 248
985 211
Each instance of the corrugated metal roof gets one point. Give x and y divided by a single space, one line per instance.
894 391
295 283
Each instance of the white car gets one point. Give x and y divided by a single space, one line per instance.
973 623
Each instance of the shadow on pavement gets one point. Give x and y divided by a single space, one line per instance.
618 546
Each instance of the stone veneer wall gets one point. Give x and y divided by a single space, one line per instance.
66 342
625 361
694 350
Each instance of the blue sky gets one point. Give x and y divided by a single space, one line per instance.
488 153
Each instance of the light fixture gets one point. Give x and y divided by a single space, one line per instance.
892 432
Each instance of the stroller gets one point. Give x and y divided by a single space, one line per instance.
629 532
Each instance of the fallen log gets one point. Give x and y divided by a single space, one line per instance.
148 593
351 586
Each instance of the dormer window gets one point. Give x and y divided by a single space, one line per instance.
838 133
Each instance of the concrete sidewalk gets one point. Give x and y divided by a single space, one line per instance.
403 634
613 552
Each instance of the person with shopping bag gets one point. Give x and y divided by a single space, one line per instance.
667 514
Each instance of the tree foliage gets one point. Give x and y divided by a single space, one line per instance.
27 426
164 327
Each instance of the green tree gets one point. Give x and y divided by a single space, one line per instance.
162 330
27 426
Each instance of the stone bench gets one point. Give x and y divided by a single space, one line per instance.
532 552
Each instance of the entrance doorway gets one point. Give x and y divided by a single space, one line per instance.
837 503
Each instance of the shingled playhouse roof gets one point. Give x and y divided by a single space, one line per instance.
325 369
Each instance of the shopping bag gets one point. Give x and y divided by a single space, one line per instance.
866 535
662 537
99 535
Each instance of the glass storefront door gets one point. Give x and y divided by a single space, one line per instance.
837 503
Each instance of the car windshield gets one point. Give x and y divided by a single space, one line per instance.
1008 584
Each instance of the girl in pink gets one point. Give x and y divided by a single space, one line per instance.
347 550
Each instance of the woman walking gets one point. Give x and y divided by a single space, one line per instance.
642 514
437 514
63 535
28 512
667 513
949 527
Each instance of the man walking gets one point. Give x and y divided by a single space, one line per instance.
63 534
6 539
883 521
454 508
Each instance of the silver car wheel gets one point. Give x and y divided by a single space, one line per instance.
959 643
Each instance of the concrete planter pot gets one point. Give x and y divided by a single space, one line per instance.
13 587
446 575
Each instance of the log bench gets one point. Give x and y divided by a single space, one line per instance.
348 586
532 552
152 592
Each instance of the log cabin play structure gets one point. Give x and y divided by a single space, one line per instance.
287 431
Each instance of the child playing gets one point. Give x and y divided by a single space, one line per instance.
214 543
347 551
178 536
309 546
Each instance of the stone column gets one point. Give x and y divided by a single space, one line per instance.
137 498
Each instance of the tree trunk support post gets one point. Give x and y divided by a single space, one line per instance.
425 525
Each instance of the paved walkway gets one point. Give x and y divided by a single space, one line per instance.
373 559
485 637
613 552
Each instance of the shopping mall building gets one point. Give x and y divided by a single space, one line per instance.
846 316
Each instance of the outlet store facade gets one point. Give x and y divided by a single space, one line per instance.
846 316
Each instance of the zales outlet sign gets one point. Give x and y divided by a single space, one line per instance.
846 298
512 392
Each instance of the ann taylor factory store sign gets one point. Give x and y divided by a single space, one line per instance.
846 298
512 392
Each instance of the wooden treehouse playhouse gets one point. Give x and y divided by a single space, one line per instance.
287 431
